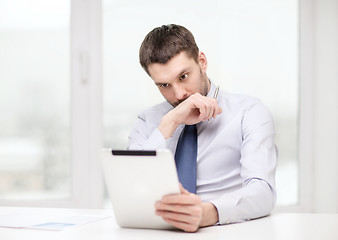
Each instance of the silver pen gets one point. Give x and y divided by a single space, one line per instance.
215 94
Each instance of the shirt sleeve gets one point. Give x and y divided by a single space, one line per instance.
257 196
146 136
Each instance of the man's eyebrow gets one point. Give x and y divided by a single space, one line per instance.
183 71
178 76
159 83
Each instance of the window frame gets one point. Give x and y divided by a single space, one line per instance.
86 183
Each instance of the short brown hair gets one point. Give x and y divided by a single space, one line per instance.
163 43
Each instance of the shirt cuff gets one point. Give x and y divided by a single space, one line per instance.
227 210
155 141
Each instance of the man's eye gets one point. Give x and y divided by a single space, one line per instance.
164 85
184 76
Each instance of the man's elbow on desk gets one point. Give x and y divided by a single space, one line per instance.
255 200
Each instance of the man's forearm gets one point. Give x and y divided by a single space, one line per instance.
168 125
254 200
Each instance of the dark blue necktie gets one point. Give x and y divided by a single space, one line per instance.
185 157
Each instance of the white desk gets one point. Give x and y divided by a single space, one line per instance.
286 226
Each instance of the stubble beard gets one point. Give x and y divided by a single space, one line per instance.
203 89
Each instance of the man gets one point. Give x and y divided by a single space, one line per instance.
236 155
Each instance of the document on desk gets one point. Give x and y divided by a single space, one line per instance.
45 221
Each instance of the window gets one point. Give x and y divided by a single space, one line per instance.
50 134
34 99
251 47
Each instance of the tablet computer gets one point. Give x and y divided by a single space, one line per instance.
135 181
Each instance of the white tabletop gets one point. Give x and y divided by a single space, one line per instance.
277 226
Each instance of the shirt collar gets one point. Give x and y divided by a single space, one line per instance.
212 89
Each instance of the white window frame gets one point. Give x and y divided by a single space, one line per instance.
318 113
86 59
306 99
86 110
305 113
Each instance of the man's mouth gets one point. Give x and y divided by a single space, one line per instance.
179 102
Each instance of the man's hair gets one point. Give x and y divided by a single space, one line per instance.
163 43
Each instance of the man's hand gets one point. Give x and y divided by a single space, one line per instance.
194 109
186 211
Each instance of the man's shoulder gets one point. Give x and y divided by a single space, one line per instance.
157 110
247 106
237 100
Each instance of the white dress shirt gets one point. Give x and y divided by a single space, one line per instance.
237 157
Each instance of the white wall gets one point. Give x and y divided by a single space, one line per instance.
319 86
326 106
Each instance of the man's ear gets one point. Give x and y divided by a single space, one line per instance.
202 60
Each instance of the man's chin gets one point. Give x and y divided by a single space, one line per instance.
175 104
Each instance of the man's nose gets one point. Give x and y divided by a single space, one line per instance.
180 92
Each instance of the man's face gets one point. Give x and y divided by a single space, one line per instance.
180 77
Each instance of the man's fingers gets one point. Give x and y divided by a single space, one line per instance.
188 227
194 210
207 106
219 111
178 217
186 199
202 105
182 210
216 109
196 108
211 107
185 217
183 190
